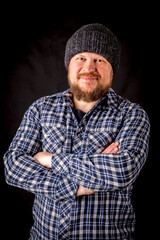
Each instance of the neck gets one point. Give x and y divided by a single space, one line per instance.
82 105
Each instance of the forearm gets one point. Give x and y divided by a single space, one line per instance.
100 172
113 148
24 172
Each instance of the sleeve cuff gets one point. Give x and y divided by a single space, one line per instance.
60 163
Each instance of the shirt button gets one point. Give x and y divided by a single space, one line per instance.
78 133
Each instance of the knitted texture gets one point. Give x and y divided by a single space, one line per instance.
94 38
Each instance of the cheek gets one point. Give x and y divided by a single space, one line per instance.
107 76
72 76
73 70
74 66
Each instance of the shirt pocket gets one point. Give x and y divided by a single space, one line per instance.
98 141
53 139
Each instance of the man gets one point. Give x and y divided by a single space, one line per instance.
80 151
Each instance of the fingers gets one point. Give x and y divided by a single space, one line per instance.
44 158
113 148
83 191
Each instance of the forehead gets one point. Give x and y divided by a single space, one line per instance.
89 55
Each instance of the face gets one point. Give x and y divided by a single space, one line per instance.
89 76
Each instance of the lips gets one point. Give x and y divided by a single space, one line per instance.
89 79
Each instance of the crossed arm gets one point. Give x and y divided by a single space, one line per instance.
60 176
44 158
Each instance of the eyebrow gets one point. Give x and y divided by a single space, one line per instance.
84 55
81 55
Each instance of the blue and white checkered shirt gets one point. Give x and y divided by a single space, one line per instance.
50 125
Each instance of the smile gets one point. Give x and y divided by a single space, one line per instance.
88 79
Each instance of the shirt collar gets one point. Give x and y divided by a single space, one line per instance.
109 100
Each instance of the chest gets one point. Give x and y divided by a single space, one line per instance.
62 133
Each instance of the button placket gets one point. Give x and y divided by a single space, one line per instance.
79 132
64 218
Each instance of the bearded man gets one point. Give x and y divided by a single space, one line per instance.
80 151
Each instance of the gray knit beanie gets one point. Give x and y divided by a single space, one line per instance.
94 38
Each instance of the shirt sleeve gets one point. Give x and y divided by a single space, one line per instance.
22 170
109 172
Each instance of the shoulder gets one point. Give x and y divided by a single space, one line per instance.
47 103
125 107
50 100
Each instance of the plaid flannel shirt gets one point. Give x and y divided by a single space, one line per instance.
50 125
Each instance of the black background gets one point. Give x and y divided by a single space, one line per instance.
32 65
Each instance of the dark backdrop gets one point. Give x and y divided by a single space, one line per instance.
32 53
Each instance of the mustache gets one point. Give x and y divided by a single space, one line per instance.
94 75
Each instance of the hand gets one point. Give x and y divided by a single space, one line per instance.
112 148
44 158
83 191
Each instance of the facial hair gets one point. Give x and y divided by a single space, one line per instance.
89 96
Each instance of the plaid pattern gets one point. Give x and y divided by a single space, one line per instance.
50 125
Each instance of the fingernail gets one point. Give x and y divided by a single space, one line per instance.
116 150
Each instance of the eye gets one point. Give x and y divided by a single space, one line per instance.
99 60
80 58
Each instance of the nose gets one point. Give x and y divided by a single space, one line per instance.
89 66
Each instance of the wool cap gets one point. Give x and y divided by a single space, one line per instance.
94 38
